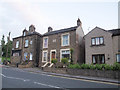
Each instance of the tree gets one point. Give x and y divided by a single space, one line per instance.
3 46
71 52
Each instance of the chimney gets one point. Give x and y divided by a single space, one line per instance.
31 28
79 23
50 29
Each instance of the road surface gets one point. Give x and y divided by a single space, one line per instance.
17 78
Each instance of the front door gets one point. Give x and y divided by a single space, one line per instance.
53 55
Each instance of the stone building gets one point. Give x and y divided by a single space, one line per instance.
26 48
102 46
57 44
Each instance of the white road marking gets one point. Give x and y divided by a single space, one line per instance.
15 78
46 85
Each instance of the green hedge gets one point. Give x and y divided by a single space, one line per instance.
4 58
54 61
115 66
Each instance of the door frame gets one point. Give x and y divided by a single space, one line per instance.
51 53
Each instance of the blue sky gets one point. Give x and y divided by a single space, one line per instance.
15 15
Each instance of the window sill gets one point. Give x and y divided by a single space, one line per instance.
97 45
26 47
65 45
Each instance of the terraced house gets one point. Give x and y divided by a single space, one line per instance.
26 48
57 44
102 46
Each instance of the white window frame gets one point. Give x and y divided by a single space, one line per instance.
117 57
51 53
25 43
24 33
43 55
43 42
17 44
68 39
61 52
31 56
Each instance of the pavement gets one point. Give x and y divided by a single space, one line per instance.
38 70
25 78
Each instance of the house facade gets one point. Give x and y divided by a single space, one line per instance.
57 44
102 46
26 47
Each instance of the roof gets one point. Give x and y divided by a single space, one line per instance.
61 31
115 32
29 34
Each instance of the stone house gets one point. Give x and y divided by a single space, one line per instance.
57 44
26 47
102 46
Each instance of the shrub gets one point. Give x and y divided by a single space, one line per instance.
74 66
92 66
98 66
85 66
54 61
107 67
64 60
116 66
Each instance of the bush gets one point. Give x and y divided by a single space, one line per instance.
116 66
54 61
85 66
99 66
64 60
92 66
107 67
74 66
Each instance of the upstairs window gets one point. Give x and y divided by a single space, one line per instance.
118 58
24 33
65 40
45 42
26 43
97 41
17 44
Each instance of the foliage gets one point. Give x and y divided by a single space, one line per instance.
85 66
64 60
74 66
4 58
54 61
107 67
116 66
92 66
99 66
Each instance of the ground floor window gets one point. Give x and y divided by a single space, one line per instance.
98 59
118 58
16 54
25 56
65 54
44 56
31 56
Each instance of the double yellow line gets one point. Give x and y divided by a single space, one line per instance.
87 80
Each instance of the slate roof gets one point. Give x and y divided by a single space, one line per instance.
60 31
115 32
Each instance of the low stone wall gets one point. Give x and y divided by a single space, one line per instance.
95 73
55 70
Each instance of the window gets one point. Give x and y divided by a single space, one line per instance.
16 54
31 42
17 44
65 40
118 57
44 56
45 42
26 43
24 33
25 56
30 56
98 59
97 41
65 54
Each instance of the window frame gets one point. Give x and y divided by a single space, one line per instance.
98 41
27 43
43 56
68 39
99 57
32 56
116 57
17 42
44 42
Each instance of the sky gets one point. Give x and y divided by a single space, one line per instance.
16 15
